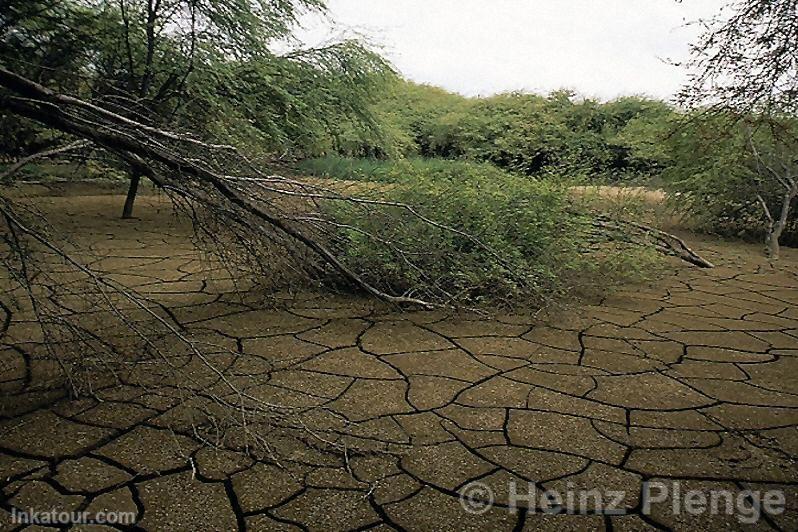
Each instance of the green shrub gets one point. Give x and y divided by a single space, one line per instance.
516 239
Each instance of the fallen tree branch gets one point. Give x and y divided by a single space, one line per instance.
664 241
33 96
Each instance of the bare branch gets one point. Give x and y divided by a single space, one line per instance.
16 167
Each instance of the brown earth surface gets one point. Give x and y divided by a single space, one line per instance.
692 379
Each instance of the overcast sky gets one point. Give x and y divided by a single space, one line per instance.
599 48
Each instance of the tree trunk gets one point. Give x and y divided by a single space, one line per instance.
135 178
775 230
773 246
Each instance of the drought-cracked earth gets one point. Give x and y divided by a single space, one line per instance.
690 379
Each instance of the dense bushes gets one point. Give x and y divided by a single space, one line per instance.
630 140
518 238
523 133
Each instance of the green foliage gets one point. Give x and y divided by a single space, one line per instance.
716 179
638 131
301 105
413 114
539 235
203 66
49 40
405 170
525 133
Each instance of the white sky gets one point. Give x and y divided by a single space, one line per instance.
599 48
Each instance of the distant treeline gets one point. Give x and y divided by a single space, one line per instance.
707 159
524 133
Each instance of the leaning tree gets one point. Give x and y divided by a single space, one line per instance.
206 66
745 73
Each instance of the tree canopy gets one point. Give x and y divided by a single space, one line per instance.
208 66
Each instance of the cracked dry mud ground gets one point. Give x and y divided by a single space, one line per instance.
692 378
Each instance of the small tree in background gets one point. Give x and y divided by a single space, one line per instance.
736 175
745 75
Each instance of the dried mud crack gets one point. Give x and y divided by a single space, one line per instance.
693 378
